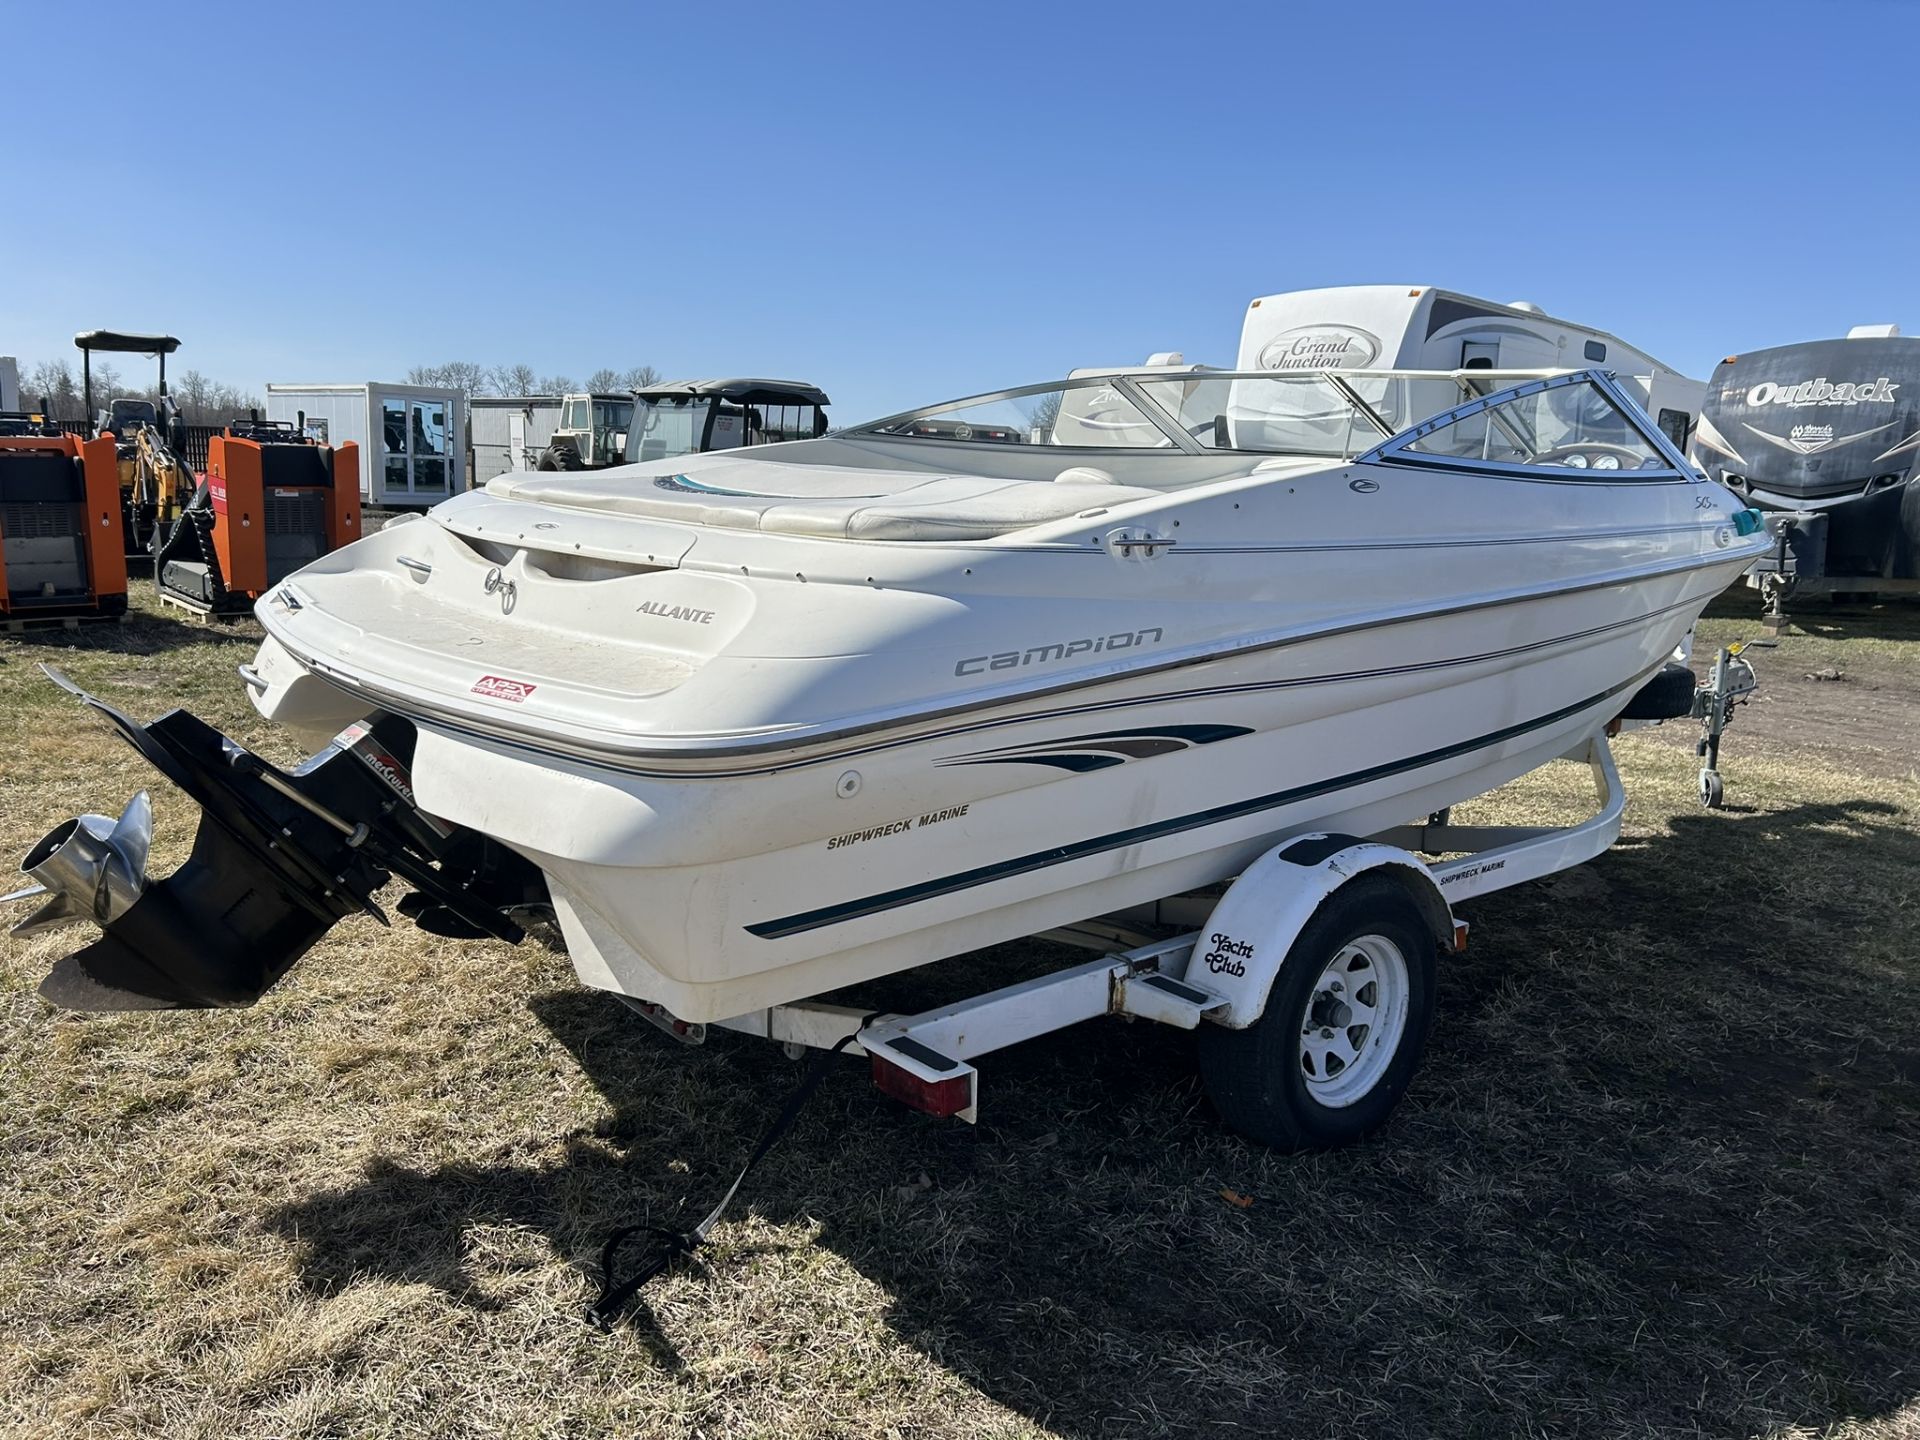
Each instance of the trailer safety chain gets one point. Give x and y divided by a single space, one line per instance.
615 1295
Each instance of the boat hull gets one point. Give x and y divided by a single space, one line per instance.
717 895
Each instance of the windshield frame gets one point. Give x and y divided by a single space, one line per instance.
1395 450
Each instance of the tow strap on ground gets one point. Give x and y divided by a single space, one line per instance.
615 1294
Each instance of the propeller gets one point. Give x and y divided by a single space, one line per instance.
91 867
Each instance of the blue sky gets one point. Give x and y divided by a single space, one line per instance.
910 202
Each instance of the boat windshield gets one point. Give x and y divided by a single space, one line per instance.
1568 423
1093 414
1319 414
1293 414
1269 414
666 427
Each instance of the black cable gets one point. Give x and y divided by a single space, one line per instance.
614 1295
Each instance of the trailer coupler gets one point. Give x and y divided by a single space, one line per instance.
280 857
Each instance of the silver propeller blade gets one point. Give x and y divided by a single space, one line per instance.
57 914
132 837
92 867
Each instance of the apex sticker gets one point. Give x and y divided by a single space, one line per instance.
499 687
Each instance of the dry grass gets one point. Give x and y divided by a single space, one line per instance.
1656 1178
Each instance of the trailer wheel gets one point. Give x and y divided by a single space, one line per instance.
1343 1028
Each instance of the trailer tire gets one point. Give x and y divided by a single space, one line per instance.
1261 1079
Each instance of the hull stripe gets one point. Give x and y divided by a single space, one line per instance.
1158 829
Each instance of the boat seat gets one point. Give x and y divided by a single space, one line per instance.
834 502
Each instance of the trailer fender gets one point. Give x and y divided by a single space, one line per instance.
1251 931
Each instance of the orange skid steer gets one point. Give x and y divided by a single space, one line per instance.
273 500
61 555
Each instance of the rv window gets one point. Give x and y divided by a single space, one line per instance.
1565 427
1674 424
1595 351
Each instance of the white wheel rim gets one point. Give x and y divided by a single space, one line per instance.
1354 1019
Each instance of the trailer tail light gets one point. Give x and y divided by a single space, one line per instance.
922 1078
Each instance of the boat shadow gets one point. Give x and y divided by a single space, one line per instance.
1655 1176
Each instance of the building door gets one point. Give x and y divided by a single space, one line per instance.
432 441
419 448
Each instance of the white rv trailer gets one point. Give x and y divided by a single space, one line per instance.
1419 327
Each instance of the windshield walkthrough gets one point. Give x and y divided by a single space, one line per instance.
665 428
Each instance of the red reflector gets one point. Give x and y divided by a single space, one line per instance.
935 1097
1459 937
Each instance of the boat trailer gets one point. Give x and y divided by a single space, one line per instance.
926 1060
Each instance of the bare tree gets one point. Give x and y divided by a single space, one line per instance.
202 401
514 380
106 384
208 402
604 381
52 381
453 375
640 377
1045 414
194 393
557 385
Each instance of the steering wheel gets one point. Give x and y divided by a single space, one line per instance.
1587 454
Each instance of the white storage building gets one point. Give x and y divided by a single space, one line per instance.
507 431
412 438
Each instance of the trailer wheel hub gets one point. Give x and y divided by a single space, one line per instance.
1353 1023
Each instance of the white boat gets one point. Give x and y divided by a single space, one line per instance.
763 724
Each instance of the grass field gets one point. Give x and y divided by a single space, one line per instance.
1658 1175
